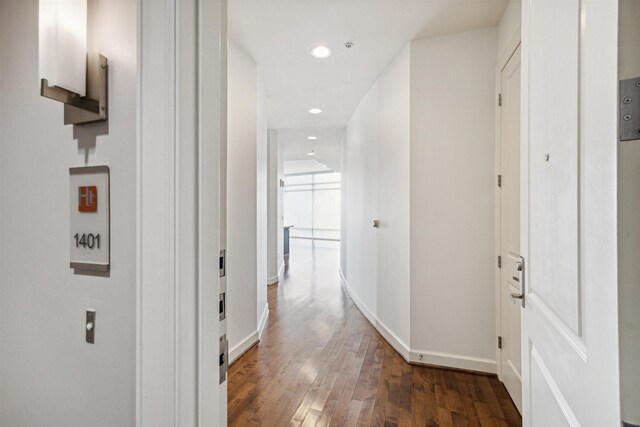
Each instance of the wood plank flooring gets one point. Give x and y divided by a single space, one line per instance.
321 363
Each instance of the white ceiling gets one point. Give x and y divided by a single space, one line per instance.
279 35
327 146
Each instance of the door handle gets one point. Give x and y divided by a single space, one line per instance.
514 296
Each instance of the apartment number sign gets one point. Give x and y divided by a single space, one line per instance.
90 219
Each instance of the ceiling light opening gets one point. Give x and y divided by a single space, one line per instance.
321 52
312 138
315 111
311 153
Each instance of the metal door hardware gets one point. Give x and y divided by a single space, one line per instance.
224 356
222 263
223 306
90 326
520 296
376 223
630 109
499 342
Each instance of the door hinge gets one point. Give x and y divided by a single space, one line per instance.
499 100
499 261
499 180
499 342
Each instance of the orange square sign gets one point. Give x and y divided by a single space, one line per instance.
88 199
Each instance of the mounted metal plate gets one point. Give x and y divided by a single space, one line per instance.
223 306
84 109
222 263
630 109
224 356
90 326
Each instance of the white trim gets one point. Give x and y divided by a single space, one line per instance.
243 346
395 341
263 321
453 361
250 340
502 62
410 355
177 290
272 280
281 270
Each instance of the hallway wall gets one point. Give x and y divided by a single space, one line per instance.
419 156
376 186
46 367
452 199
246 202
275 256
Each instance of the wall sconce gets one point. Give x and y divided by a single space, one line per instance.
67 72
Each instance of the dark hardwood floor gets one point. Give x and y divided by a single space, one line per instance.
321 363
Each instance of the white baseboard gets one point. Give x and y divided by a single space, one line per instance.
243 346
281 270
263 321
387 334
456 361
412 355
250 340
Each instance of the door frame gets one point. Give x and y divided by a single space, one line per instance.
513 45
181 80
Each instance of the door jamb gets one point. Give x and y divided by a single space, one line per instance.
502 63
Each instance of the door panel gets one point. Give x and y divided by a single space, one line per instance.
510 277
569 133
553 47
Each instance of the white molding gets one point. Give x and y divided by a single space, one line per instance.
445 360
502 62
456 361
263 321
243 346
177 325
395 341
281 270
250 340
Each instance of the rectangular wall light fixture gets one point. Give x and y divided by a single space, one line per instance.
67 72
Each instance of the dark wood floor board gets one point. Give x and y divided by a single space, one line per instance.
321 363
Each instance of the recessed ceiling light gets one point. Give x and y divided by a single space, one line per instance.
321 52
311 153
312 138
315 111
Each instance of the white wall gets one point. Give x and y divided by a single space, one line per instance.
49 375
246 202
275 256
629 226
376 186
452 197
262 148
509 28
419 156
272 207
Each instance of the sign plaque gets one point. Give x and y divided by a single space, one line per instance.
90 222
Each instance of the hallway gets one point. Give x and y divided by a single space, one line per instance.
320 362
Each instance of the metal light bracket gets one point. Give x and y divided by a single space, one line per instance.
84 109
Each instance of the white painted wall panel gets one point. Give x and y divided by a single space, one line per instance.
242 179
49 375
452 197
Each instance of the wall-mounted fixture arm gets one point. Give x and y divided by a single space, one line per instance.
84 109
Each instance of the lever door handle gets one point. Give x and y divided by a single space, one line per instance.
515 296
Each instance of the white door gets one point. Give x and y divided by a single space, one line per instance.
569 335
510 308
